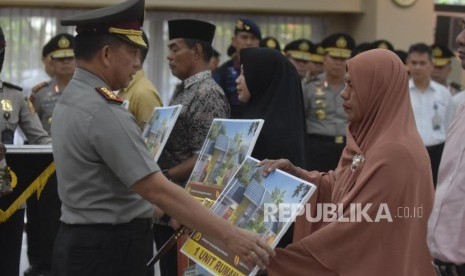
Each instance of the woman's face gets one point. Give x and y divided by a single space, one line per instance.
351 104
243 93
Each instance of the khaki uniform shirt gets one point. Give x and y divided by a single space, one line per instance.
17 110
142 97
323 109
44 100
99 154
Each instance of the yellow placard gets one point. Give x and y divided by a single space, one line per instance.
204 256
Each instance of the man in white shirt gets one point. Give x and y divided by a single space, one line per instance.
446 224
430 102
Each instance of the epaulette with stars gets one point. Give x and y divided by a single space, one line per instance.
12 86
39 86
109 95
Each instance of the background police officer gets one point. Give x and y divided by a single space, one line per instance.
325 116
15 110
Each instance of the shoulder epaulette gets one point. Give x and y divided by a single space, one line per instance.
39 86
109 95
12 86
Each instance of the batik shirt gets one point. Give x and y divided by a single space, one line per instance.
202 100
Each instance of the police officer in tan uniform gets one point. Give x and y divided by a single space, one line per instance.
45 95
141 96
325 116
15 110
298 52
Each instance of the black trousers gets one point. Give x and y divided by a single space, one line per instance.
43 221
169 262
103 249
435 154
323 152
11 233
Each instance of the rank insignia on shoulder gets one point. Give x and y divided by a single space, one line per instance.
39 86
30 105
109 95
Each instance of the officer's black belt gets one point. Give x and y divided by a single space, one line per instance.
133 224
330 139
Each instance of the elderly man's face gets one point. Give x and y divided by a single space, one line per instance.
461 41
182 59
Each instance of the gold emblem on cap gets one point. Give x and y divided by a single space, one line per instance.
304 47
239 24
437 52
270 43
320 50
341 42
63 43
6 105
383 45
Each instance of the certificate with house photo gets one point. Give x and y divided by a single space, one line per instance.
226 146
266 206
159 127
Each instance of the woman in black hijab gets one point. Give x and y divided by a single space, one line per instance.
270 85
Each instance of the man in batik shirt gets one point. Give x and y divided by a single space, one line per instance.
203 100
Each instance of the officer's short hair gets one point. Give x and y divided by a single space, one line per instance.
87 46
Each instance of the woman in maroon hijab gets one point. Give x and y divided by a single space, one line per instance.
383 164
